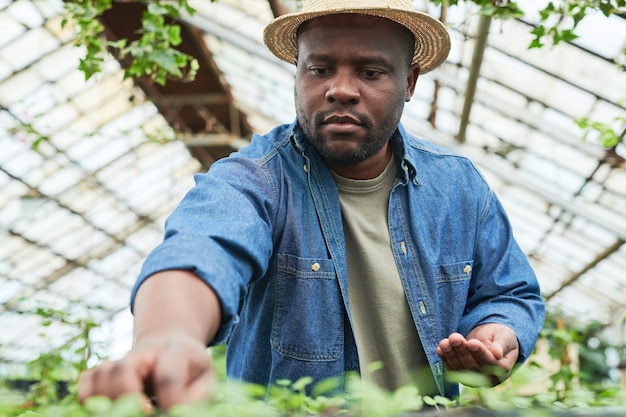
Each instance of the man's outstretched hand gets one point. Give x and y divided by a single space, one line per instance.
173 369
490 349
176 315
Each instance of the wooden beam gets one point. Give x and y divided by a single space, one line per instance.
203 99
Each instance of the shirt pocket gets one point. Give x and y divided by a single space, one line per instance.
308 310
454 272
453 283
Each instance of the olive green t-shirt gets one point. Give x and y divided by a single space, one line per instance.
383 325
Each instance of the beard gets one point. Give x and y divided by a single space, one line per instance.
375 139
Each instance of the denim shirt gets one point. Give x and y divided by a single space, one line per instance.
263 228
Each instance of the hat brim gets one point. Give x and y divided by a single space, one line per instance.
432 41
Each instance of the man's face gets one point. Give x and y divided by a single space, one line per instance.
352 81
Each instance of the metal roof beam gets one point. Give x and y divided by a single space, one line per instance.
477 59
503 171
574 277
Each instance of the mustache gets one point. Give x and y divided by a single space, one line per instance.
321 117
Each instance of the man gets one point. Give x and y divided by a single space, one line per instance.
337 241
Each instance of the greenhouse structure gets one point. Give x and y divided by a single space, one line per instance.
90 167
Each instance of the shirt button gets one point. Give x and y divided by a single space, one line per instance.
306 168
467 269
315 267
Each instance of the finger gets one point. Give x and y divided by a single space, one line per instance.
444 347
507 342
461 357
85 386
493 365
497 350
467 360
456 339
481 353
114 379
448 353
200 389
498 338
169 380
91 383
458 359
179 379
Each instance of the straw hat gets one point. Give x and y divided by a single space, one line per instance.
432 42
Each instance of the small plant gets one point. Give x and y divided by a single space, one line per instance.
53 372
568 372
607 135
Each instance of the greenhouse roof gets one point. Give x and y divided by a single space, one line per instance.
80 211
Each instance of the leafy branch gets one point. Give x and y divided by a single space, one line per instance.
26 132
557 23
153 55
85 14
608 136
60 364
503 9
559 19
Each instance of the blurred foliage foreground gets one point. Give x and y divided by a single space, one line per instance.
574 371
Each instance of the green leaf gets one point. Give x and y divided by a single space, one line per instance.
469 379
509 10
127 406
173 35
535 43
171 10
301 384
38 140
408 398
582 123
568 35
578 16
120 44
194 66
29 414
539 31
98 404
546 12
155 8
282 382
430 401
374 366
190 9
166 59
607 8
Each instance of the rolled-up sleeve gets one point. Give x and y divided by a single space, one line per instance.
222 232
